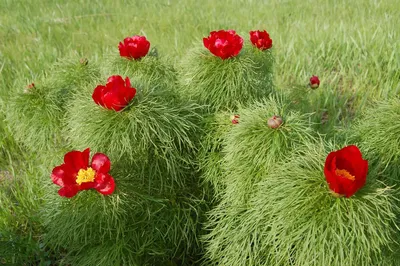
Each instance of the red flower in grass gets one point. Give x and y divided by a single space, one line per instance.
115 95
75 174
314 82
261 39
134 47
346 171
224 44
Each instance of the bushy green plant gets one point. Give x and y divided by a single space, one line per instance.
21 191
293 219
36 114
210 154
153 217
378 132
156 129
224 84
152 69
140 224
251 148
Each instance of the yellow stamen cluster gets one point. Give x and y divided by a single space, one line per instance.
345 174
85 175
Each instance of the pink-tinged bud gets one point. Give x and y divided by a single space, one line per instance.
84 61
235 119
314 82
29 88
275 122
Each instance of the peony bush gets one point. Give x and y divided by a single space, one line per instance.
205 161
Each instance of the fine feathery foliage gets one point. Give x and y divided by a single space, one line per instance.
295 220
251 149
154 217
152 69
224 84
35 117
156 128
35 114
21 190
137 225
329 108
378 132
210 154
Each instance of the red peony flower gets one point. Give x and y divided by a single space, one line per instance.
314 82
223 44
261 39
115 95
346 171
75 174
134 47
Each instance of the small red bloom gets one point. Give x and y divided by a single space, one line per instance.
115 95
31 86
346 171
314 82
134 47
75 174
224 44
261 39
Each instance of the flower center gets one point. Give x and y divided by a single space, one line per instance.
85 175
345 174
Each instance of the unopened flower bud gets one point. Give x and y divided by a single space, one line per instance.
29 88
314 82
84 61
275 122
235 119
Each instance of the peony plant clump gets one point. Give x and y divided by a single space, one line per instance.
212 164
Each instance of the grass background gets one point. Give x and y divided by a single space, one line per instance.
353 46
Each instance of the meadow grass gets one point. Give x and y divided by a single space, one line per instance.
353 46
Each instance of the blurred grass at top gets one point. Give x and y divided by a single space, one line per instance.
352 46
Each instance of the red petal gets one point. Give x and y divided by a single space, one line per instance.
62 175
347 187
112 101
98 93
361 174
114 82
329 172
105 184
68 191
101 163
347 158
77 160
126 96
86 186
206 42
122 50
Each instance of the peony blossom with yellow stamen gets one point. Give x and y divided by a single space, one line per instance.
75 174
346 171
